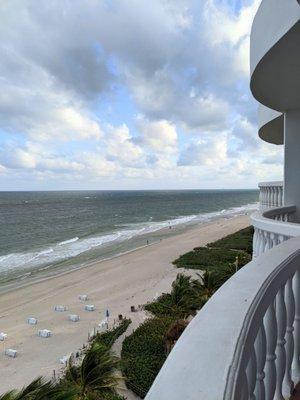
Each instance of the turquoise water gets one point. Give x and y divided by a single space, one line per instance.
49 231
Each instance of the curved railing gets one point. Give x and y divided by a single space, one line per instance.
270 194
245 342
273 227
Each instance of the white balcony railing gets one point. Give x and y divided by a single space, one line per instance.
245 342
273 227
270 194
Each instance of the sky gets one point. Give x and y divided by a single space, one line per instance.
129 94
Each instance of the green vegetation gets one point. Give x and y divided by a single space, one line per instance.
205 258
94 378
93 375
143 354
108 338
184 299
146 349
241 240
235 248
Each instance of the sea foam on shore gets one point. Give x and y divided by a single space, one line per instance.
22 265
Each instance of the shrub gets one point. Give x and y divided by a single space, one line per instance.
206 257
143 354
241 240
184 299
108 338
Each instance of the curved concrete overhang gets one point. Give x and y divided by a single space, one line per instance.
275 54
271 125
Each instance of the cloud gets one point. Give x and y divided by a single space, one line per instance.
121 148
128 91
210 152
158 136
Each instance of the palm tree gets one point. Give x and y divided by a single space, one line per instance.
184 297
96 377
209 284
39 389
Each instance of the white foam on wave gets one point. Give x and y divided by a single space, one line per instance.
67 249
68 241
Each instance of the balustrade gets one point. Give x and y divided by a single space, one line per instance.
273 227
270 194
249 353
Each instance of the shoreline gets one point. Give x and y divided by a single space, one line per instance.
16 269
129 279
162 234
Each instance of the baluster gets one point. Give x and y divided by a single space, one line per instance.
277 195
251 372
267 241
296 358
289 338
255 242
280 196
280 349
265 197
270 367
272 240
262 242
260 347
260 197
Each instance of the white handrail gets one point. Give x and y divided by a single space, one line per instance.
245 342
272 227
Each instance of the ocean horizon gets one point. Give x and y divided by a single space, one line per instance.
48 232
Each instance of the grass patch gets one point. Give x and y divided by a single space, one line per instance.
143 354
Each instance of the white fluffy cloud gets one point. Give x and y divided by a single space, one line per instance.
129 91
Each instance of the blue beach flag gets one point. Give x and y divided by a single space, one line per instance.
107 313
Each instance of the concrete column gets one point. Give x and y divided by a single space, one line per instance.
292 160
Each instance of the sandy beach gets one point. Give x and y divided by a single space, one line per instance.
130 279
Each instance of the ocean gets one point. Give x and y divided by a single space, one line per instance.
44 233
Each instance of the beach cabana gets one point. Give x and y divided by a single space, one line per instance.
31 321
3 336
74 317
44 333
11 353
60 308
89 307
